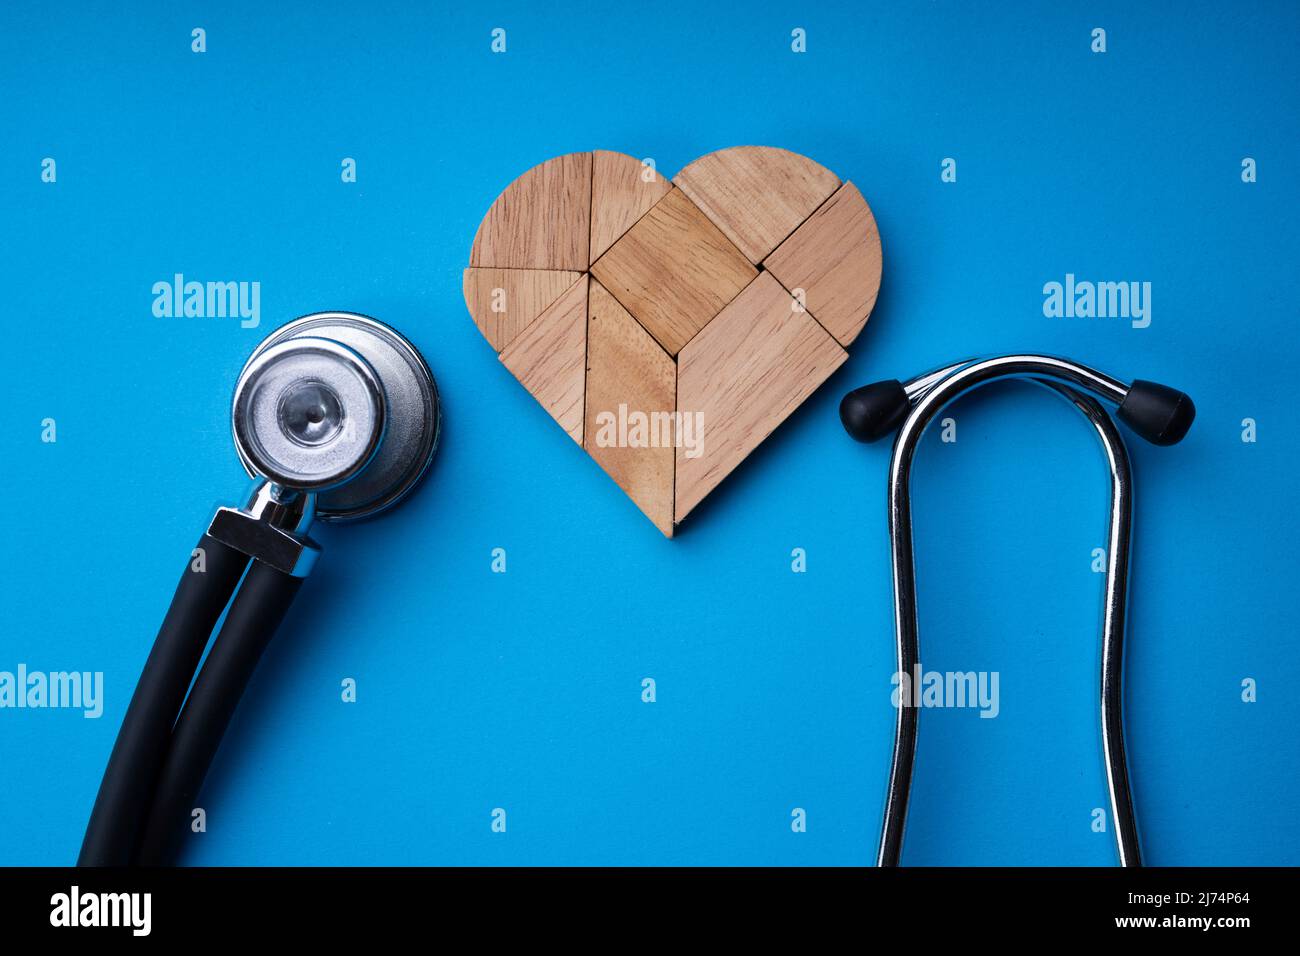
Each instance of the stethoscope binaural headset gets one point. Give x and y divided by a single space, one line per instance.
336 417
1157 413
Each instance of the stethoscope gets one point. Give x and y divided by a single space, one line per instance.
336 417
1155 412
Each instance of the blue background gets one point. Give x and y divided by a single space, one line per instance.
522 690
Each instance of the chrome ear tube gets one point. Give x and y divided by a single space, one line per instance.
336 417
1157 413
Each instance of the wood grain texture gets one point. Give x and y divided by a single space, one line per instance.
627 367
757 195
549 358
521 295
674 271
835 258
622 191
746 372
541 221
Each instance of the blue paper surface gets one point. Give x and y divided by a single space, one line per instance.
522 691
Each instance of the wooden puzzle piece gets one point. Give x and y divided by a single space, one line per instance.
541 221
757 195
743 375
504 301
631 406
549 358
835 258
623 189
673 270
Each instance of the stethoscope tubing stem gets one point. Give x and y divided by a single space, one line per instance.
142 742
259 606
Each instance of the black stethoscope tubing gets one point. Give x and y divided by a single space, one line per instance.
144 742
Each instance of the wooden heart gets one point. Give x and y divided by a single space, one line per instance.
671 327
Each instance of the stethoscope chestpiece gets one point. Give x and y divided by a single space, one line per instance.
341 406
337 417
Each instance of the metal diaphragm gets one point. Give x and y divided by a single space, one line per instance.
338 404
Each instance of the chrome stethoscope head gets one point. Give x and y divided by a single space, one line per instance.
1157 413
338 406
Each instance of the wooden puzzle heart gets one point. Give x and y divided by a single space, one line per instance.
671 327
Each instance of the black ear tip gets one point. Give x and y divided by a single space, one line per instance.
873 411
1160 414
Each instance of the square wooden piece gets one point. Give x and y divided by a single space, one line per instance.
674 271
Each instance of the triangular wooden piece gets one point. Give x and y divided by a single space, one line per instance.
549 358
743 375
631 406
